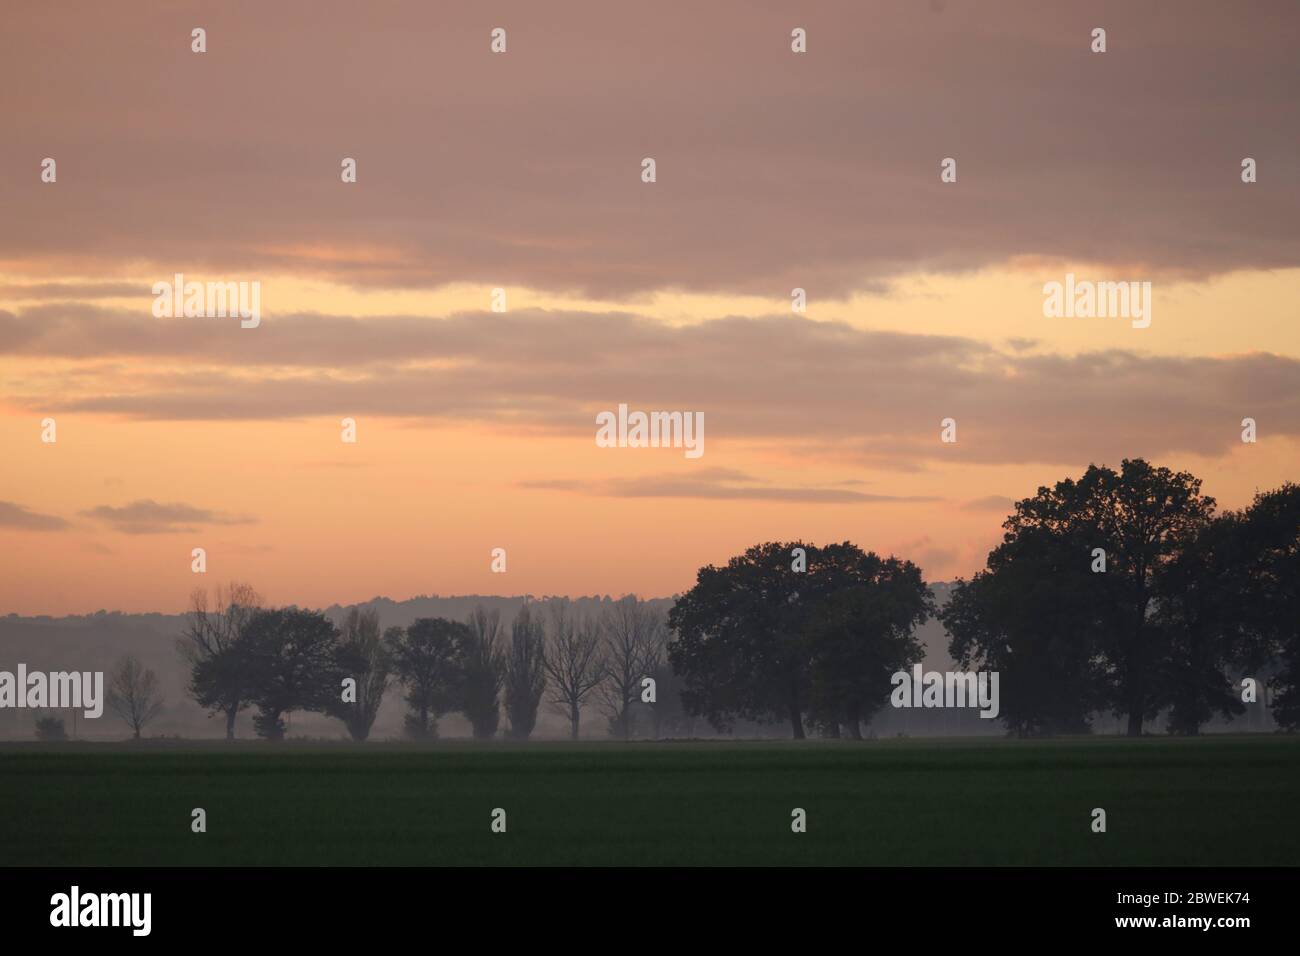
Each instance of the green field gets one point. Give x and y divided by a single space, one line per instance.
1214 801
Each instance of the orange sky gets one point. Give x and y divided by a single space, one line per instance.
522 170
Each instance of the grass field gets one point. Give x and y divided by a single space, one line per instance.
1214 801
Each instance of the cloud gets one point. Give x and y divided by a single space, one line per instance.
713 483
999 503
806 388
775 170
71 290
147 516
20 518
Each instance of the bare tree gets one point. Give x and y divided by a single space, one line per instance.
654 663
483 659
365 657
633 641
574 662
525 673
211 636
133 693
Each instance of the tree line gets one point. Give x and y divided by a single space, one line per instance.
280 660
1122 591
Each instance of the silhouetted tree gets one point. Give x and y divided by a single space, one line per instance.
1270 608
426 657
633 646
483 662
293 656
1200 615
1064 636
868 608
363 656
525 673
741 645
574 662
133 693
1142 514
51 728
219 679
669 715
655 665
1028 616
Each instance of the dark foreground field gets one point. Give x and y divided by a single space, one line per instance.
1217 801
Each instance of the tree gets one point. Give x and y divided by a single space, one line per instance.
293 657
741 644
219 680
525 673
1141 516
133 694
862 632
633 647
483 662
1066 637
51 728
1029 617
363 656
573 661
1200 615
669 715
426 657
1270 530
654 665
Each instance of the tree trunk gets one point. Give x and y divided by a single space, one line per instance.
574 715
1136 696
1136 659
854 721
833 731
271 720
231 714
796 722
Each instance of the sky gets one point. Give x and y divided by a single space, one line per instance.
523 171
